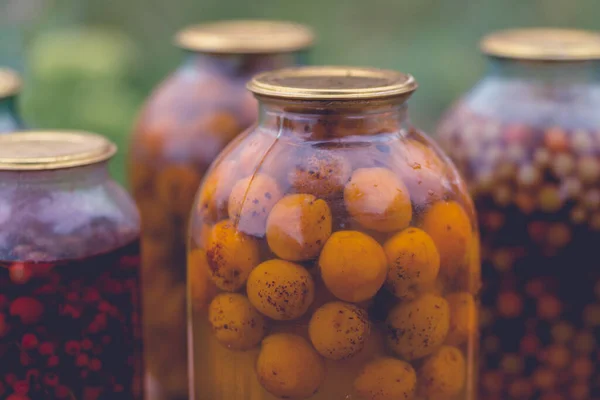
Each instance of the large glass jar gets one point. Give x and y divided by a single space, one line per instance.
333 250
10 85
70 324
527 139
186 122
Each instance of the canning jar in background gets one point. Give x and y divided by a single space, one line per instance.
186 122
333 250
10 86
69 271
527 139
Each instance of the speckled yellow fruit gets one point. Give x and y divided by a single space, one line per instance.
214 192
231 256
450 228
386 379
442 375
419 327
463 318
251 201
339 330
288 367
235 323
378 200
353 266
425 174
280 289
322 173
201 288
414 263
298 227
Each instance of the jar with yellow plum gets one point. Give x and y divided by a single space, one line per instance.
184 124
333 250
10 86
527 139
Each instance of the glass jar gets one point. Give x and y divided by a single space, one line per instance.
70 323
186 122
333 250
527 139
10 86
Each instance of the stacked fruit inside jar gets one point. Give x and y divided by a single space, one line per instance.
536 191
333 257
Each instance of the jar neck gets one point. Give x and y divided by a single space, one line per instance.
86 176
244 64
325 120
581 72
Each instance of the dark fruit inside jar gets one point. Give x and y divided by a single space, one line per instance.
70 329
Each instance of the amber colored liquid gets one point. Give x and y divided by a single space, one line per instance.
72 329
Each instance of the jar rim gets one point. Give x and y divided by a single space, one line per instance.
50 150
246 37
10 83
543 44
333 83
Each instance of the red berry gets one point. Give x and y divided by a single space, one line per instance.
95 364
118 388
21 387
20 273
29 341
28 309
62 392
82 360
53 361
4 326
46 349
104 306
50 379
15 396
73 296
91 295
106 339
101 320
72 347
86 344
94 327
70 311
10 379
84 373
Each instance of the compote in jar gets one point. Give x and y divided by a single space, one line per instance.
527 139
70 324
333 250
10 86
185 123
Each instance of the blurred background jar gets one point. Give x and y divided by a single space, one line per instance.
527 139
185 123
10 86
333 250
70 325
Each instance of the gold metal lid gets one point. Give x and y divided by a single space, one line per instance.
541 44
246 37
10 83
333 83
48 150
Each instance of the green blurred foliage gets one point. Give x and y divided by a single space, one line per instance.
90 63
